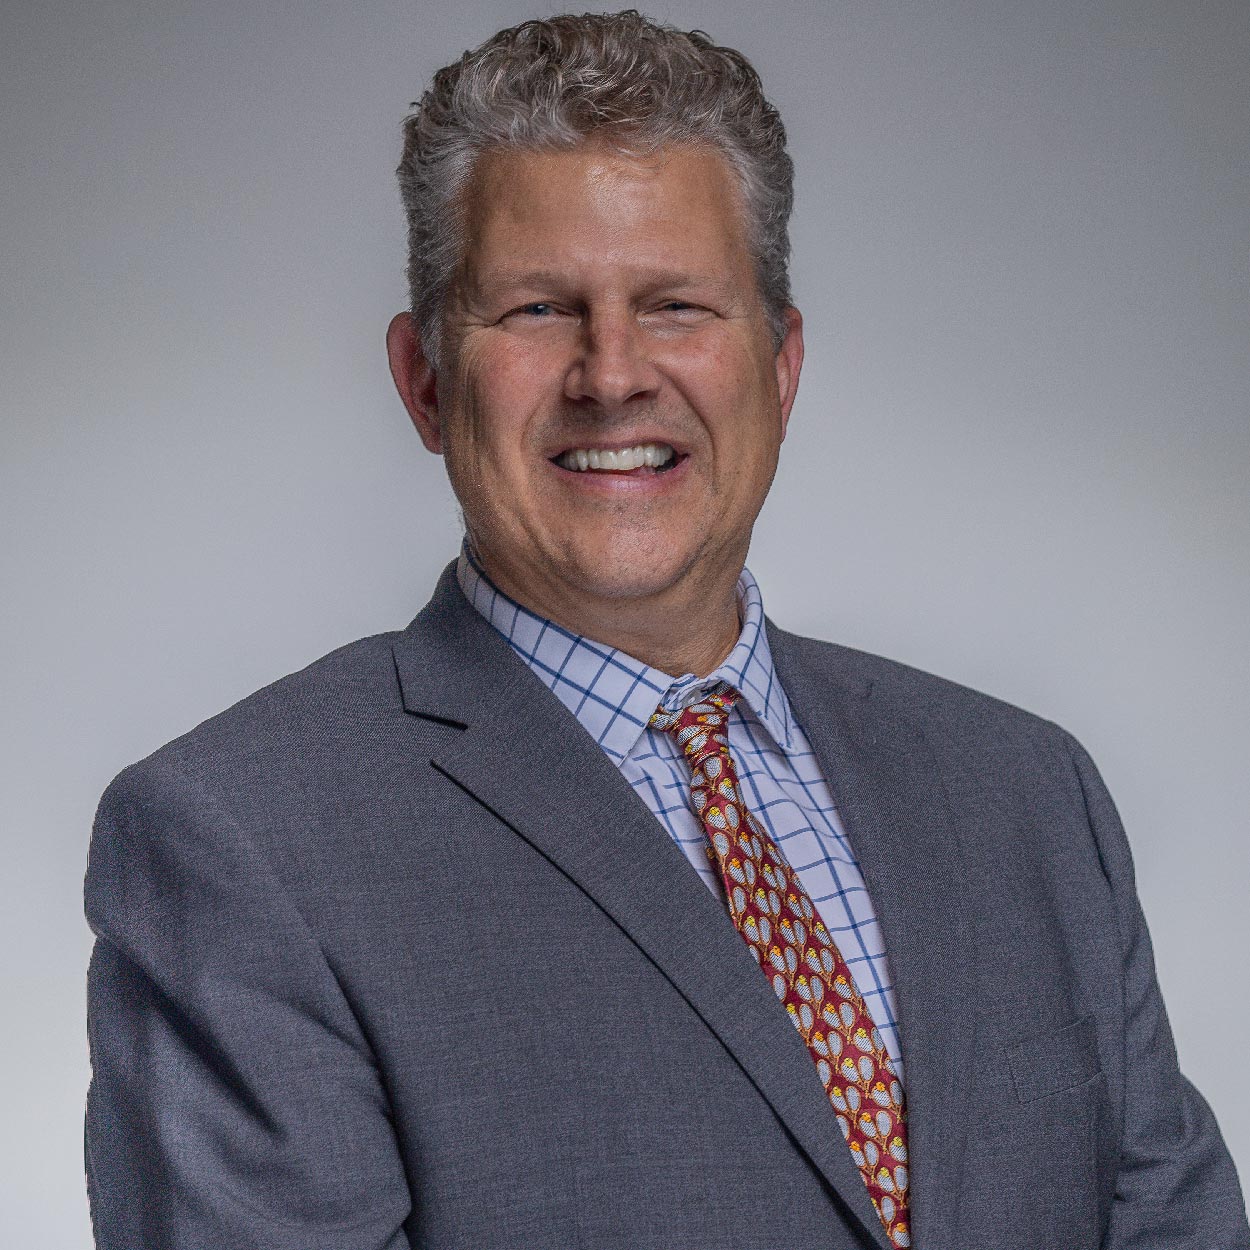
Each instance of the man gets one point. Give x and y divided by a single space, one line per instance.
592 909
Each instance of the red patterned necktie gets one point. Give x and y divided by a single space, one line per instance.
786 937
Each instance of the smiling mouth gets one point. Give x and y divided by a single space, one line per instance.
643 458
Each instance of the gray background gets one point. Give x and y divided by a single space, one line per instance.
1019 456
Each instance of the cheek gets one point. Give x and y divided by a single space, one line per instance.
727 375
484 415
496 471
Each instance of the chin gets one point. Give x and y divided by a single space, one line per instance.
626 570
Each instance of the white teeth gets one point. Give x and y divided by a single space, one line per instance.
622 461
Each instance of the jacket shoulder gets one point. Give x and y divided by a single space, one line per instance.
915 694
305 716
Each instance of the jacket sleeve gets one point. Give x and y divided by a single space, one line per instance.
234 1101
1176 1185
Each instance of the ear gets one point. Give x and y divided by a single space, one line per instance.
415 379
788 364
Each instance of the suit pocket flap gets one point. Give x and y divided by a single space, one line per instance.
1057 1061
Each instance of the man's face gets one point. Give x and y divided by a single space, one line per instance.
607 309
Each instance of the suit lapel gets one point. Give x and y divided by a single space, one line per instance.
525 758
889 792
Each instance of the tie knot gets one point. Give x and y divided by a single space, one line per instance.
697 729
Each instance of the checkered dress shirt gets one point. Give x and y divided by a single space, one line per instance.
613 696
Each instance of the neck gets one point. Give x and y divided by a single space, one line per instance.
686 628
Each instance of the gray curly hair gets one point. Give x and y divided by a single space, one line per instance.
550 84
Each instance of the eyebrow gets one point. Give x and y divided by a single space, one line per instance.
650 280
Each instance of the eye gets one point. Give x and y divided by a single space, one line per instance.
530 315
678 312
538 310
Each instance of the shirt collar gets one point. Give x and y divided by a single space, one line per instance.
613 694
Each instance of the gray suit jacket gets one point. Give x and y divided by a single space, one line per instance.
390 955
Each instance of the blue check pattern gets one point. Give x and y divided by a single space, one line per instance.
613 696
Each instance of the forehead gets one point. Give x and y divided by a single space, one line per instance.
596 209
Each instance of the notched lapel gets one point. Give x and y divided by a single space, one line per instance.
526 758
890 795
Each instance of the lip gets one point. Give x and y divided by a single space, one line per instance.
634 482
621 444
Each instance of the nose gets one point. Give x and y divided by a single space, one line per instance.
612 364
